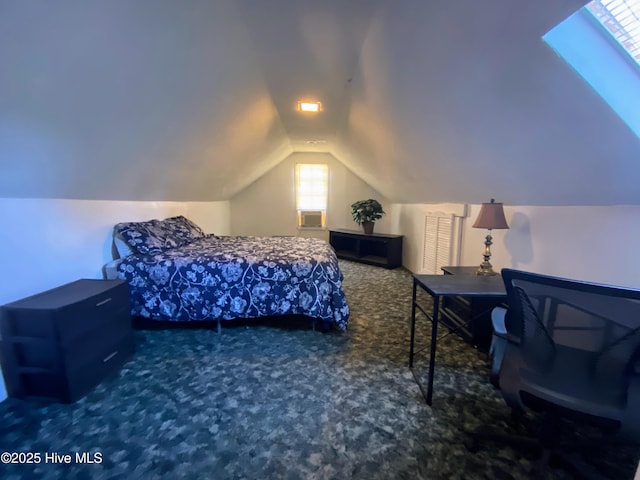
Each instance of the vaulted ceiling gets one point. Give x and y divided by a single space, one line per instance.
428 102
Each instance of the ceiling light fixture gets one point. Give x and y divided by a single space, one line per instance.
309 106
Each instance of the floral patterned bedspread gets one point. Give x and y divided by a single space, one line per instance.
238 277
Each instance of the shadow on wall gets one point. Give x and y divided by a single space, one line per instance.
518 240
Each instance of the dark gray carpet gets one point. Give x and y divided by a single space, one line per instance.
269 401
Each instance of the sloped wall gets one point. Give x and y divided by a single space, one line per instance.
267 207
142 101
461 101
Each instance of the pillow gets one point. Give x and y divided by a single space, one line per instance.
181 230
146 238
196 231
155 236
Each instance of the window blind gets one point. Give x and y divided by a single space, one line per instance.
622 19
312 186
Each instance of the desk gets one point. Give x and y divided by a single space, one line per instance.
439 286
469 317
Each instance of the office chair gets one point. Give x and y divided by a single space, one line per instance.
569 351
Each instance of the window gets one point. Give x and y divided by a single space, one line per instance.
622 19
600 41
312 187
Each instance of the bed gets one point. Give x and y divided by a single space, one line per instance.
176 272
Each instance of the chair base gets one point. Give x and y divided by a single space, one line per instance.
544 442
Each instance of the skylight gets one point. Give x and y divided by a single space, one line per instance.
622 19
601 42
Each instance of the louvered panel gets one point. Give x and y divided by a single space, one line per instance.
443 246
430 241
436 251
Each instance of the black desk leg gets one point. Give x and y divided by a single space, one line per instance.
432 354
413 322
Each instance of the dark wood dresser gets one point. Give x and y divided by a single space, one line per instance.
469 317
61 343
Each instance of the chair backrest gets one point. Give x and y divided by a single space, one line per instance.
584 332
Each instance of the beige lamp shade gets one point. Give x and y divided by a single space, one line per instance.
491 217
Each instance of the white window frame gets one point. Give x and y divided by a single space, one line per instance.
312 191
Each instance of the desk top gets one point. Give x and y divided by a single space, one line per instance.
462 285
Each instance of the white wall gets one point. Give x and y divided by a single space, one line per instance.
597 244
46 242
268 207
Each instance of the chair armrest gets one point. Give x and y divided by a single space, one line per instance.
499 322
499 342
498 319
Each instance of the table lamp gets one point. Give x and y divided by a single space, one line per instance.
491 217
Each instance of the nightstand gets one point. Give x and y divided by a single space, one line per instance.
61 343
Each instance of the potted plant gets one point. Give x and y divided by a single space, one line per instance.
366 212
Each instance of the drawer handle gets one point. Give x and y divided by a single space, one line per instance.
109 357
107 300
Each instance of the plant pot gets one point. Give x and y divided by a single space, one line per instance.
368 227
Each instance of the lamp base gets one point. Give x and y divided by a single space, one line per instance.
485 269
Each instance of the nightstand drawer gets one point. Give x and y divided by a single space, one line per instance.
94 343
82 318
107 358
